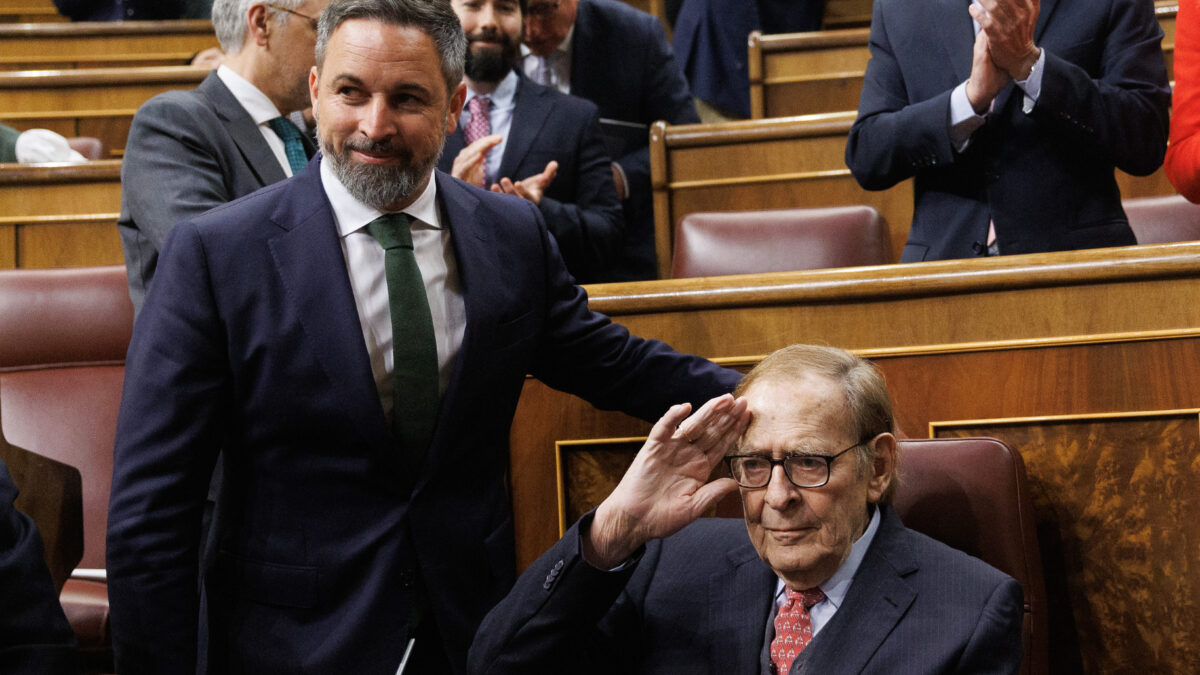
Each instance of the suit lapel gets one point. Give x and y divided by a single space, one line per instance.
454 145
533 107
1044 15
739 604
879 597
242 129
956 34
308 258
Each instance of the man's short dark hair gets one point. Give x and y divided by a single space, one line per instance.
435 18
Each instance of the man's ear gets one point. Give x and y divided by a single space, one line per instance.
314 81
883 469
454 107
259 24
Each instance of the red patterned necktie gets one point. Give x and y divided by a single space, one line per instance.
478 126
793 627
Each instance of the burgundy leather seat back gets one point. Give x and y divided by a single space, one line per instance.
1162 220
783 240
971 494
63 336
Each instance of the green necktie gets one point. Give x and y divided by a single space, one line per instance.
292 145
414 349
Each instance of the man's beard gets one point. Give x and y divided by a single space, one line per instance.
380 186
489 64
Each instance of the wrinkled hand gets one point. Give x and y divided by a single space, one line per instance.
531 188
1009 26
468 165
987 79
667 485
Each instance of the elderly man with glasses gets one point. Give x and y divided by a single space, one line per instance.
822 576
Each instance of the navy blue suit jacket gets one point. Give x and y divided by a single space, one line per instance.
622 62
250 343
581 206
700 602
34 635
1045 178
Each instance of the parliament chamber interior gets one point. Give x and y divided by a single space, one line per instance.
1077 361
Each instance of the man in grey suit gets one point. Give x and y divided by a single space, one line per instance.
189 151
822 576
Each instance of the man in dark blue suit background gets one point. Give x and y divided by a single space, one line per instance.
269 335
1012 116
542 145
618 58
821 576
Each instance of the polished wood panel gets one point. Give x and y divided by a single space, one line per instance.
51 494
60 215
97 102
1116 494
1083 332
85 38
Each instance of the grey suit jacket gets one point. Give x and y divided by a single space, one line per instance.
699 601
188 151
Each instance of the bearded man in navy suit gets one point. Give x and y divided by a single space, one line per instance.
536 143
361 399
821 577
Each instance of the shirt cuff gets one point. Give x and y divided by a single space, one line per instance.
963 120
1032 85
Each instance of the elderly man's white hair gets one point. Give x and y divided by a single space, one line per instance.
229 20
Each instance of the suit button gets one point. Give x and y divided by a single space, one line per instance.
558 565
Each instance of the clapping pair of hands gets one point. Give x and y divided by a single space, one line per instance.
468 166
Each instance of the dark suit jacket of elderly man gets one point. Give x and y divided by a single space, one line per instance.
34 635
622 62
1046 177
250 343
188 151
701 601
581 206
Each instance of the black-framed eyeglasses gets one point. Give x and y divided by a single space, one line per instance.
312 21
541 11
802 470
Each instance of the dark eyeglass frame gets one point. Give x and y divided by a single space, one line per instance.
782 461
542 10
312 21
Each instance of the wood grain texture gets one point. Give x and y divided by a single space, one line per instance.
1118 495
60 215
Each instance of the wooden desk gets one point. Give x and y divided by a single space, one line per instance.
82 43
60 215
781 162
96 102
1085 361
819 72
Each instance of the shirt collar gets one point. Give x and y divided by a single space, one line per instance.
836 587
352 215
504 94
256 103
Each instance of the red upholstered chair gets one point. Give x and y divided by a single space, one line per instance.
63 337
1162 220
783 240
971 493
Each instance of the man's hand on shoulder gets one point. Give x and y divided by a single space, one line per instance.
667 485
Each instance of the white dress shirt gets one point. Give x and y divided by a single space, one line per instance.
260 109
500 116
364 260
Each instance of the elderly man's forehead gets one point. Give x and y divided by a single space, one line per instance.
804 405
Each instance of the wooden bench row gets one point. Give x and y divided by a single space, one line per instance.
57 46
810 73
